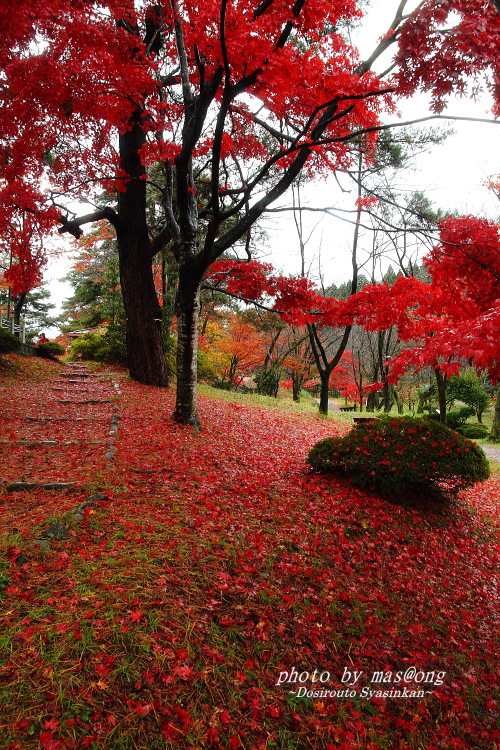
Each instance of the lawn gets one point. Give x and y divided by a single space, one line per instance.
221 594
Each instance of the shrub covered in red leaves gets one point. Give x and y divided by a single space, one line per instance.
392 455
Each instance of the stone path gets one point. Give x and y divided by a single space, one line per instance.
492 452
58 432
58 438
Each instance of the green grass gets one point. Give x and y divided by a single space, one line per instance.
306 405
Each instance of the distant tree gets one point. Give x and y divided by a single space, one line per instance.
97 297
452 320
467 387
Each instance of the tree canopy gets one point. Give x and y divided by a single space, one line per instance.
215 108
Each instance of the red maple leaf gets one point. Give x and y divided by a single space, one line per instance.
136 615
184 672
51 724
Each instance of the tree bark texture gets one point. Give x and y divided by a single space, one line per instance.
495 427
324 391
145 353
18 306
187 308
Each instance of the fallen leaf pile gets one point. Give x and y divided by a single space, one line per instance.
215 565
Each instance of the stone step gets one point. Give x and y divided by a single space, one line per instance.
26 486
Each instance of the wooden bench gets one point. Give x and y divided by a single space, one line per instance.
348 408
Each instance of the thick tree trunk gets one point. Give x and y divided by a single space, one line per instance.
145 355
398 401
371 402
187 307
324 391
421 402
296 386
18 306
146 358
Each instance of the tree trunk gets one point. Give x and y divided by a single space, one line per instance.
441 389
324 392
18 306
297 379
233 366
146 358
371 402
360 391
422 398
398 401
387 395
495 427
187 307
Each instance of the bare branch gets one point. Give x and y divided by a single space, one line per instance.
74 226
385 42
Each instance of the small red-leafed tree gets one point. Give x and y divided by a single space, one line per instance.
453 320
22 247
243 351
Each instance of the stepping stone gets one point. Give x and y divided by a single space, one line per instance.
26 486
56 531
44 443
91 502
55 419
37 442
90 401
64 389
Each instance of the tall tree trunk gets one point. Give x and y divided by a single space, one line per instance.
146 359
297 379
324 391
495 427
145 356
187 307
387 395
398 401
18 306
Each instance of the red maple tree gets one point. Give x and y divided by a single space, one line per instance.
229 102
455 318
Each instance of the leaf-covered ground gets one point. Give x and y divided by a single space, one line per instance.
218 566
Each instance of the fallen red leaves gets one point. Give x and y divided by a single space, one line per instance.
221 562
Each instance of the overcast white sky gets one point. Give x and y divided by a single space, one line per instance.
452 175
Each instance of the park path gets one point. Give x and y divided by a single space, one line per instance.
492 452
57 431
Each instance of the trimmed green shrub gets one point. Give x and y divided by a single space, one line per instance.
50 349
8 342
458 417
454 419
474 431
394 455
86 345
101 345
